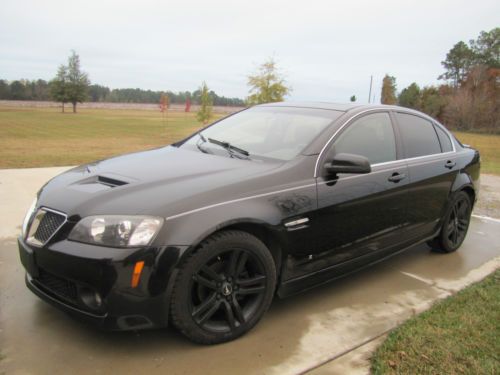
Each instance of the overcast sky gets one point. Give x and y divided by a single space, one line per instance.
326 49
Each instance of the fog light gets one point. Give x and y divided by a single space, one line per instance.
91 298
98 299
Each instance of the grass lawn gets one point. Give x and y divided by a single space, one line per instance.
42 137
460 335
489 147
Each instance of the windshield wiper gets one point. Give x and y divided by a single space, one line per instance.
203 139
229 147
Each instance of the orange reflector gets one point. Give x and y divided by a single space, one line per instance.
137 273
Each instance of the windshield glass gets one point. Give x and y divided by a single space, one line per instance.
270 132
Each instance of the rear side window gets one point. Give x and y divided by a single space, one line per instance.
371 136
419 136
443 139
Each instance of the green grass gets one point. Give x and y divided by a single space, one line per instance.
460 335
489 147
42 137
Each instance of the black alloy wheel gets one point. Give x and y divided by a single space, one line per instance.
223 288
455 224
227 290
458 222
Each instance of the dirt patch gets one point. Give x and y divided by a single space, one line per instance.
488 203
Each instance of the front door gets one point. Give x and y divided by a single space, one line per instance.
361 214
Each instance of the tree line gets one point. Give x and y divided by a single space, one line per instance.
71 85
25 89
469 98
98 93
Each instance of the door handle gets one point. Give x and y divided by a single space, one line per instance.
450 164
396 177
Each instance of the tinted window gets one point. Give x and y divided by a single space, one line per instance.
444 139
370 136
419 137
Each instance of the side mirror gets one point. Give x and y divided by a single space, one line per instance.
348 163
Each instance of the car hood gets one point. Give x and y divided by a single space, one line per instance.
160 182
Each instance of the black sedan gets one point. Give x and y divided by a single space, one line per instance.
274 199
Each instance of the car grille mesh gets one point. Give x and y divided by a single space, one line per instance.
62 288
49 224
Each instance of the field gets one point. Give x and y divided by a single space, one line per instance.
43 137
489 147
457 336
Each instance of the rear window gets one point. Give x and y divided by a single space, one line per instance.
443 139
418 135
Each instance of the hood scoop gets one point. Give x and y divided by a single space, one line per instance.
110 182
97 183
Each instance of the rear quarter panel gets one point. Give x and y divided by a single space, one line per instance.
469 167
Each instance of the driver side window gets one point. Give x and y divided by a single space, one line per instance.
371 136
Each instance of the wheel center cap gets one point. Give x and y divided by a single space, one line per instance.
227 289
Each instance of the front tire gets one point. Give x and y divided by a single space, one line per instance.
455 224
223 289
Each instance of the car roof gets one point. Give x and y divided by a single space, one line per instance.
344 107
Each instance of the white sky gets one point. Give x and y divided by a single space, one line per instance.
327 49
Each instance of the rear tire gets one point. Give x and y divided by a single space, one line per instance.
455 225
223 289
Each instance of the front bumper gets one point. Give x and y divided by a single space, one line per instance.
75 277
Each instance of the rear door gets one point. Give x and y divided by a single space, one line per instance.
432 169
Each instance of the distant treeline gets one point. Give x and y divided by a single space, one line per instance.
469 100
24 89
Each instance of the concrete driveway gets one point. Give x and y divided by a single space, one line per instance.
330 330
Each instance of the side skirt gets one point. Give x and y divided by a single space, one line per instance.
337 271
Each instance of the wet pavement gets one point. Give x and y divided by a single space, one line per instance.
329 330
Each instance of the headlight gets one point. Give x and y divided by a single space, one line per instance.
28 217
117 231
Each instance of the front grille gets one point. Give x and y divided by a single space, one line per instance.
62 288
49 224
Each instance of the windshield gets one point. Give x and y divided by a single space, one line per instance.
270 132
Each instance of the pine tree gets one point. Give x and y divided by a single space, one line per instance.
204 114
410 97
77 81
70 84
458 62
388 95
58 89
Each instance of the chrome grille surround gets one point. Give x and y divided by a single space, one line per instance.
46 223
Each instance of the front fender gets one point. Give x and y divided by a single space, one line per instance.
270 210
192 228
